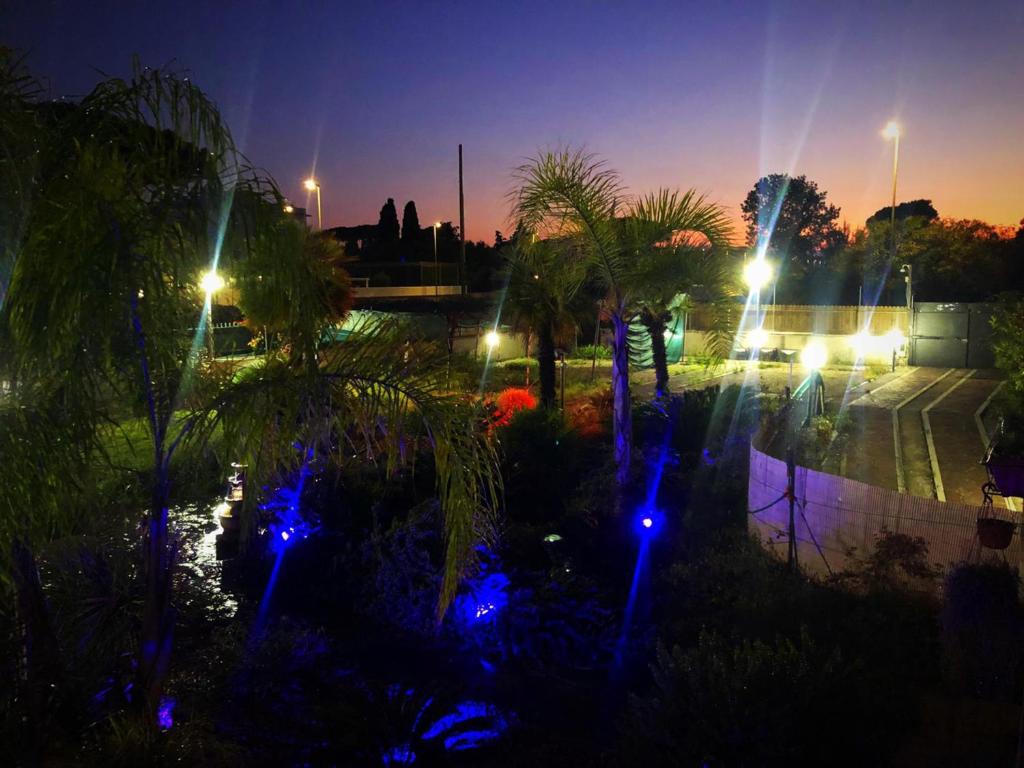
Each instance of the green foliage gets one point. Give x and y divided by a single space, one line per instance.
587 352
741 702
791 217
982 629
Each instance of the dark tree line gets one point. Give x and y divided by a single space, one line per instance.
817 261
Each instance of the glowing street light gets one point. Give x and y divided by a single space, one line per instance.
757 338
491 339
210 282
289 208
892 133
311 185
757 273
437 277
814 355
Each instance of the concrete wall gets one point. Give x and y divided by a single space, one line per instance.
840 513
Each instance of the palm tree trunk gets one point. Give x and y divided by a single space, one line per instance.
157 616
40 678
546 364
622 417
527 356
656 329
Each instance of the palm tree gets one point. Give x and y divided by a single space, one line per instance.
670 282
543 298
574 196
138 189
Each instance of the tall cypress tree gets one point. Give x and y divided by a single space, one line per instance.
387 226
410 223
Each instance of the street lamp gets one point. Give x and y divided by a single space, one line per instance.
892 132
311 185
210 282
757 273
437 277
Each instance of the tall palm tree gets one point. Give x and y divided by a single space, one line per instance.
138 189
673 279
573 195
543 297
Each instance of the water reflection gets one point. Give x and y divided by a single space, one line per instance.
197 527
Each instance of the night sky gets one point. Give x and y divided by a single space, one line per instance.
375 97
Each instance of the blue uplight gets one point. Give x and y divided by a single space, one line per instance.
484 601
649 522
165 713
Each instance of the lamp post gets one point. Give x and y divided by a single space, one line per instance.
757 274
437 276
312 184
210 282
892 131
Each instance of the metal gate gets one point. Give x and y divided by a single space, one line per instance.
951 335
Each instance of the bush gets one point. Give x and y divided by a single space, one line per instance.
982 629
741 702
586 352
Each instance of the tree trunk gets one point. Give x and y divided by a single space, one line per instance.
656 329
546 364
158 615
622 418
40 678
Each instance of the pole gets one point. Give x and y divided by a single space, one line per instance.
462 230
319 210
436 275
892 216
209 323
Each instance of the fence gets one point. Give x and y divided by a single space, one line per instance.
821 320
837 514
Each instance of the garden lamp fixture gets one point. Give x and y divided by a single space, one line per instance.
814 355
491 339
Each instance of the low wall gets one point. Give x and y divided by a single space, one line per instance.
840 513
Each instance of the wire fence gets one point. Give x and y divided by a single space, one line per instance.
836 517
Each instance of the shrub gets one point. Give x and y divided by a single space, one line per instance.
982 628
586 352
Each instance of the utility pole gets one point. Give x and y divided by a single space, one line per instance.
462 230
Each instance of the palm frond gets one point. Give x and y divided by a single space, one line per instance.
571 194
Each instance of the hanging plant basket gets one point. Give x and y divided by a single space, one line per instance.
1007 473
994 533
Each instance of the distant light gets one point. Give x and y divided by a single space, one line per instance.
536 276
211 282
891 130
284 536
289 208
647 522
895 338
551 538
757 273
862 342
311 184
437 225
757 338
491 339
814 355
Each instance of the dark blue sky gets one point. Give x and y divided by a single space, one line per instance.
376 96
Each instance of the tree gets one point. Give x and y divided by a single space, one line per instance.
387 224
410 224
919 208
573 195
670 280
543 298
952 259
792 219
128 183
